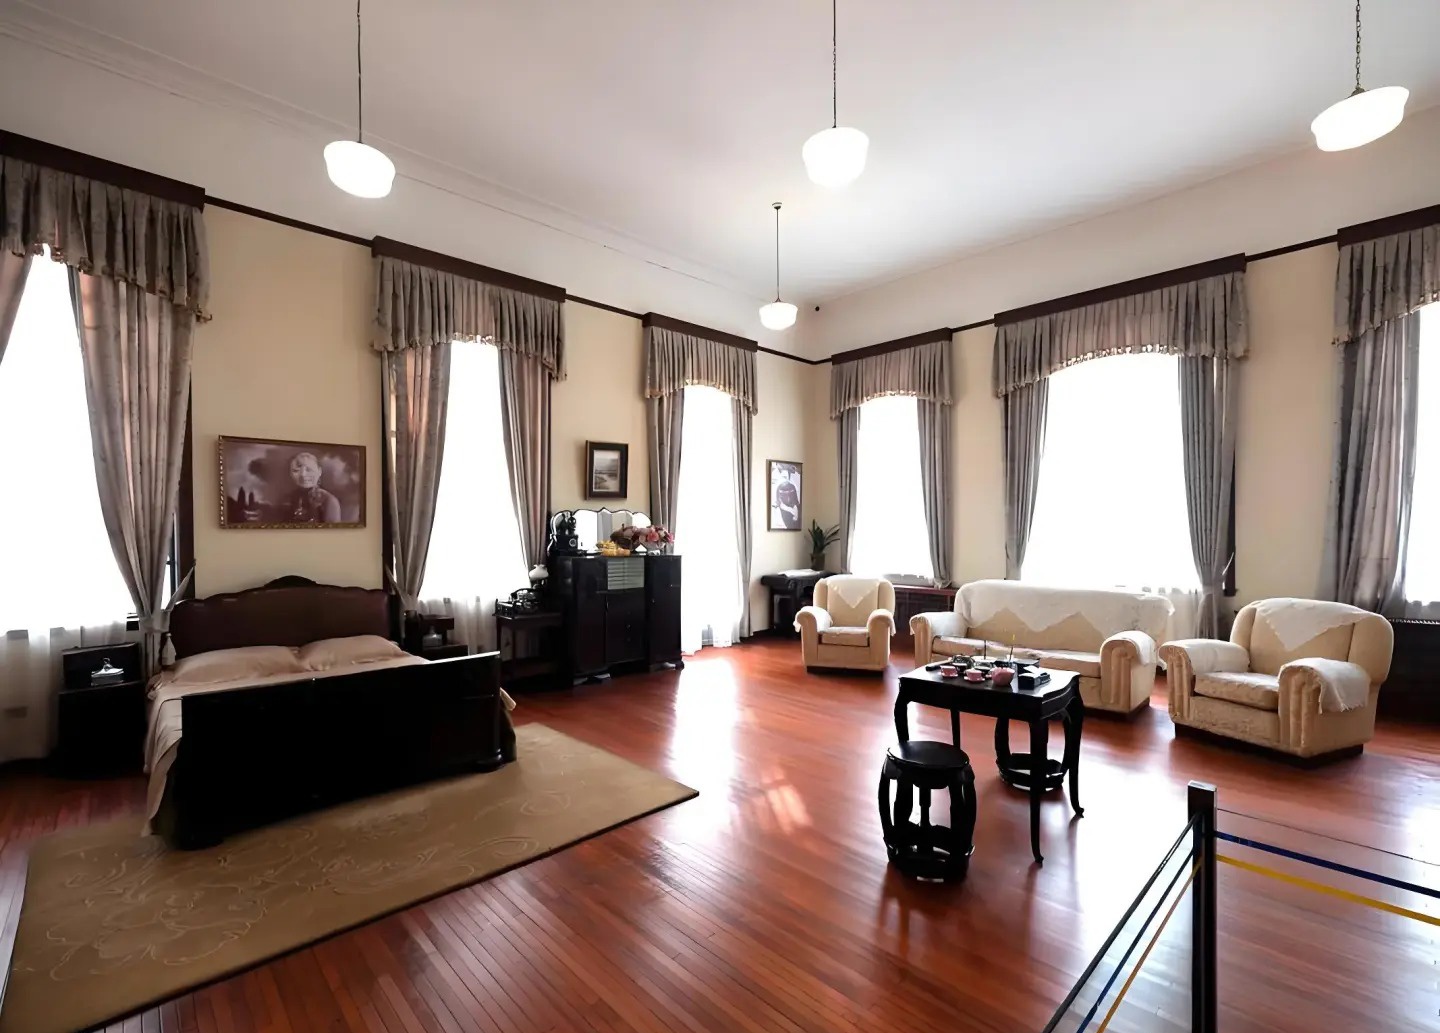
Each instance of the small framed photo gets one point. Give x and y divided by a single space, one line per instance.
607 470
266 483
785 494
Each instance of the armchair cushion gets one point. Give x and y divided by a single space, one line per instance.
1209 655
838 636
1343 685
1261 691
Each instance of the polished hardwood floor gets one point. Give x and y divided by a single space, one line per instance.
766 905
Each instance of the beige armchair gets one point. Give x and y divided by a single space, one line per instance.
850 624
1298 675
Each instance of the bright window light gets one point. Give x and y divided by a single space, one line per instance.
705 531
890 534
58 568
1422 555
1110 510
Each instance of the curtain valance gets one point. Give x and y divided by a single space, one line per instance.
1204 317
417 306
921 370
153 243
675 360
1385 278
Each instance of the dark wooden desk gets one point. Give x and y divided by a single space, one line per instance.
1034 772
788 596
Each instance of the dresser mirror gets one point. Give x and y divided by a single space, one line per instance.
596 525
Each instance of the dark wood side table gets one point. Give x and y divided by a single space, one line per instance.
788 596
1057 698
532 649
418 625
101 728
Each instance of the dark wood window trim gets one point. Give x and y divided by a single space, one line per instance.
899 344
63 159
184 544
1391 224
388 248
1154 282
696 330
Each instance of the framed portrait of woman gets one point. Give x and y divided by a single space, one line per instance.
269 483
785 489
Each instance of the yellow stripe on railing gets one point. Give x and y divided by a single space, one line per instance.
1148 948
1320 887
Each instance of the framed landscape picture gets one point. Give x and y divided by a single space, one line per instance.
607 470
785 494
266 483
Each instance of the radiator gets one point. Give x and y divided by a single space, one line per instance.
1413 688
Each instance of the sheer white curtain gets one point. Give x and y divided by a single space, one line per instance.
59 582
1110 509
705 532
475 555
890 537
1422 553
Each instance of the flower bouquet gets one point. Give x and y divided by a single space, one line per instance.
652 539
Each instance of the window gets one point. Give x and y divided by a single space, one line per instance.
890 539
475 553
705 531
1110 509
1422 552
59 569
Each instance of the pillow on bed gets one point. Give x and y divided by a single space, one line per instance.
221 665
343 652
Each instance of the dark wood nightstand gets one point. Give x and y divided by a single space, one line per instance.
101 727
418 625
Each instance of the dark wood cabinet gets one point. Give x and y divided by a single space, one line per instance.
618 611
101 726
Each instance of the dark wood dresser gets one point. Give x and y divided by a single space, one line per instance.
620 612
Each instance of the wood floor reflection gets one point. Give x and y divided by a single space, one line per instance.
766 905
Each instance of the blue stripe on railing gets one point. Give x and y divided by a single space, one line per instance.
1334 866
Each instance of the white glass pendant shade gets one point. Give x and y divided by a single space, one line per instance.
778 315
835 157
359 169
1364 116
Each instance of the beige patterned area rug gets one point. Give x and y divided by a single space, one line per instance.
113 922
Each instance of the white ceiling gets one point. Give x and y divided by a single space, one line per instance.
675 123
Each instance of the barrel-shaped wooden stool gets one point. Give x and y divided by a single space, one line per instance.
922 849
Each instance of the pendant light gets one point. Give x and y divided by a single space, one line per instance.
778 315
1363 116
354 166
835 157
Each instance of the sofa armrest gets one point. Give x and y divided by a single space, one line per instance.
926 627
1207 655
1328 686
1134 647
881 622
811 620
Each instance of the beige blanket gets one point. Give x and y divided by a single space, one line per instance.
163 734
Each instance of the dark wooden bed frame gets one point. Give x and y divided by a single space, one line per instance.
252 756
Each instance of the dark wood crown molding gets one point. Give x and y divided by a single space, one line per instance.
62 159
459 267
1154 282
1391 224
899 344
696 330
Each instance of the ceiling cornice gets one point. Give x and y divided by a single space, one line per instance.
23 21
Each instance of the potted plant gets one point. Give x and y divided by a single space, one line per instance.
820 540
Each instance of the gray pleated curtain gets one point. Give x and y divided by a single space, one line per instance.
674 361
419 313
416 384
1203 321
921 371
139 282
13 271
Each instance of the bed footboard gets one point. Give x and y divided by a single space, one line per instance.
254 756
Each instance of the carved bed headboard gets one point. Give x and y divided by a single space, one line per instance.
289 611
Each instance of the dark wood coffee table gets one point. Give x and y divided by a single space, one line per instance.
1035 771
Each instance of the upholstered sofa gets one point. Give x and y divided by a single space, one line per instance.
850 624
1298 675
1107 636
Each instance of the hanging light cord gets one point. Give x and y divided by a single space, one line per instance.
835 66
1358 88
359 81
777 250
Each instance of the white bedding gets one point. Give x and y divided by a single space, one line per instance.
163 731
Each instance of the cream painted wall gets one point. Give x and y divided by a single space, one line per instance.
287 355
977 461
599 400
778 432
